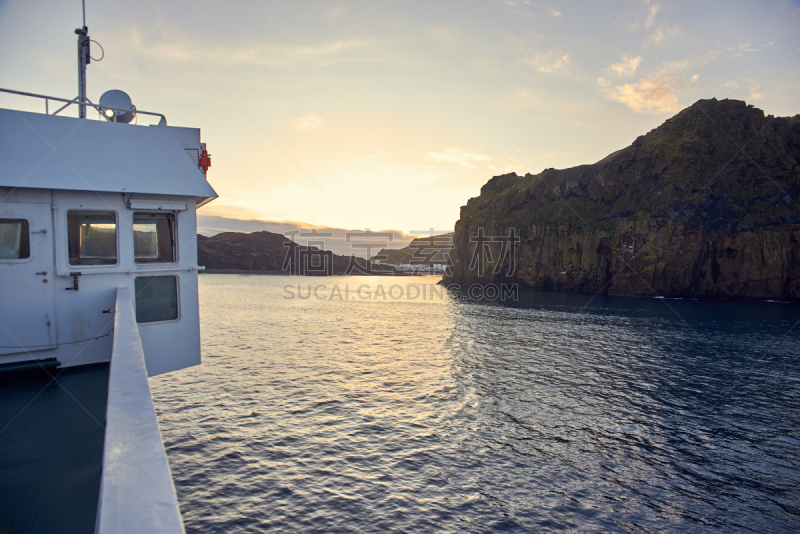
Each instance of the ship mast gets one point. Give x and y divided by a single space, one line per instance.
83 59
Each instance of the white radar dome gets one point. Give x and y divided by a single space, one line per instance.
113 104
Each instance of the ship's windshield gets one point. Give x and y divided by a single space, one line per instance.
92 237
154 237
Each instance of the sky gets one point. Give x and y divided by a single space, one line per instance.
390 115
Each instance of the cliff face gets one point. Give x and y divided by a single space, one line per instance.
706 205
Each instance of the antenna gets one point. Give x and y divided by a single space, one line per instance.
83 59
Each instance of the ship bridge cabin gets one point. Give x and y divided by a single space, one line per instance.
87 207
98 291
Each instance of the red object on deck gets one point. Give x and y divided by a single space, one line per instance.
205 160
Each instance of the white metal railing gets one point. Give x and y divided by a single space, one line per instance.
84 105
137 494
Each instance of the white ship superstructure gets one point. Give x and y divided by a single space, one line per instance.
87 207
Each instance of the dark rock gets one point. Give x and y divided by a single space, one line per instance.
706 205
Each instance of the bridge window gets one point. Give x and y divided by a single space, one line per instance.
92 237
154 237
14 239
156 298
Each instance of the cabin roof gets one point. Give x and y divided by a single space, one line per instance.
54 152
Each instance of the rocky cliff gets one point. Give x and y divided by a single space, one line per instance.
706 206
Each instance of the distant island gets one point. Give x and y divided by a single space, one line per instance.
704 206
269 253
431 250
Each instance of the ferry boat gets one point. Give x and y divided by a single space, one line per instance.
98 291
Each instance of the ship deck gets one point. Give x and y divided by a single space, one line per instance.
51 449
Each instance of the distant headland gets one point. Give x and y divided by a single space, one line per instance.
270 253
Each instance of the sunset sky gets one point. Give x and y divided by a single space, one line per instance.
391 114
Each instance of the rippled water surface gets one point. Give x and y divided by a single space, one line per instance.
431 414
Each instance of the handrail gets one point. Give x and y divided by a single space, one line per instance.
162 122
137 494
170 269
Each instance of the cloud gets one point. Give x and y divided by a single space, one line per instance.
651 15
554 13
755 92
678 65
747 47
656 92
310 121
287 54
664 34
627 67
259 54
456 155
521 7
221 210
553 61
675 67
651 95
744 47
739 90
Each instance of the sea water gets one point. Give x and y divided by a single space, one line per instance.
356 404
